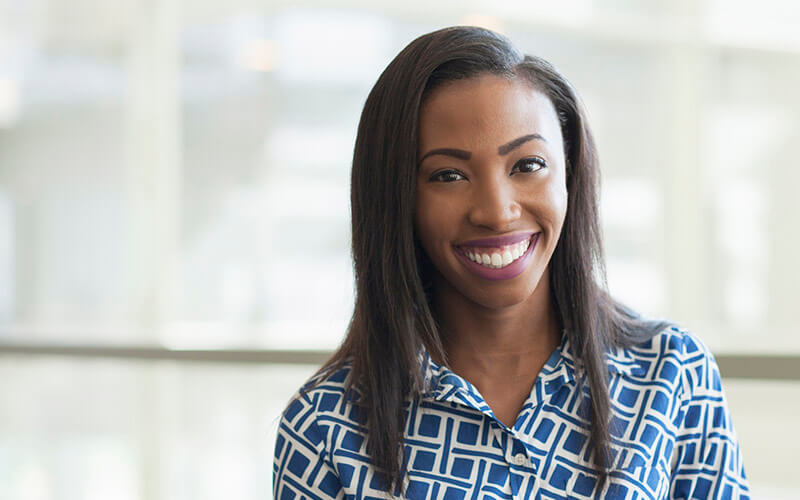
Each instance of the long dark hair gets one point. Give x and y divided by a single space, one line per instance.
393 320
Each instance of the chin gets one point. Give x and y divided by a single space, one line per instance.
505 299
497 294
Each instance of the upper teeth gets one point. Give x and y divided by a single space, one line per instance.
498 257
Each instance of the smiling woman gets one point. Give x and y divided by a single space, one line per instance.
494 203
494 196
485 356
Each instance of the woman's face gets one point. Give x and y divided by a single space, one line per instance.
491 188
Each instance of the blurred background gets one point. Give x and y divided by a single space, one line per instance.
174 228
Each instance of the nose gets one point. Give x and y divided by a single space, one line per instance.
495 204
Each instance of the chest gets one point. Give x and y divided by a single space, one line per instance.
454 451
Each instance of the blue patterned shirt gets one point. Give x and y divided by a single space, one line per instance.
672 435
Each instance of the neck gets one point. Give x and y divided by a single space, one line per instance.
495 343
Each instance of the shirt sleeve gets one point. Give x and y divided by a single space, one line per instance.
707 461
301 467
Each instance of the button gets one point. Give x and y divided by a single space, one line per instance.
520 459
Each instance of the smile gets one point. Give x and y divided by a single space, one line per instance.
500 258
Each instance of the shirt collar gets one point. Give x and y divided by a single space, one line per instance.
442 382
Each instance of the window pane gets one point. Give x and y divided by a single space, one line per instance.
78 429
178 174
140 430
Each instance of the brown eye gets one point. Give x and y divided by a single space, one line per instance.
528 165
447 176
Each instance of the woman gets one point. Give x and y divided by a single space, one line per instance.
485 358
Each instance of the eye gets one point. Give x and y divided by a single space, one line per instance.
446 176
528 165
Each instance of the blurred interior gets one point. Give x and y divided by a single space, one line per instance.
175 175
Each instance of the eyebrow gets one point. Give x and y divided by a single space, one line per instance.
466 155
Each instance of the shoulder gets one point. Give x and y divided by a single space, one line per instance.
678 357
673 342
317 427
324 393
320 406
704 448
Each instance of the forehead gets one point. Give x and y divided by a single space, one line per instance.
484 112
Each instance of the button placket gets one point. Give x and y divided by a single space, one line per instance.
523 471
517 453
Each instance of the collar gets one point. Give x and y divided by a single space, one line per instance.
444 384
441 383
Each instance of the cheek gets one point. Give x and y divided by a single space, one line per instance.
557 199
436 221
550 206
562 200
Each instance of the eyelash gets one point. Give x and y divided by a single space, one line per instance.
438 176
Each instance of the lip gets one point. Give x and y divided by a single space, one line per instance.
499 241
510 271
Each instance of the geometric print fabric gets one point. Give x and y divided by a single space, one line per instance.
672 436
